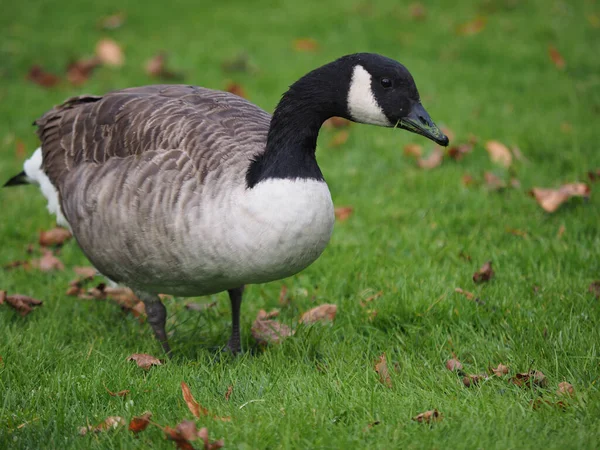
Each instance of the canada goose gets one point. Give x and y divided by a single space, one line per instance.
190 191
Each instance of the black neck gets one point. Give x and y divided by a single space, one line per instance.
292 138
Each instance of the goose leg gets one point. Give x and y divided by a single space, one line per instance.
157 317
235 296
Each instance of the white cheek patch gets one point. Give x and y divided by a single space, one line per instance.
361 102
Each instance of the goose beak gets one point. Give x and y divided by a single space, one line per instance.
418 121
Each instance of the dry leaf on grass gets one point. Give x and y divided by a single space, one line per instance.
339 138
140 423
14 264
229 392
499 153
467 294
22 303
467 180
493 182
594 175
122 393
336 122
144 360
473 380
48 262
236 89
500 370
113 21
186 431
413 150
453 364
321 313
110 53
556 58
195 407
428 416
382 369
551 199
305 45
42 78
21 151
434 159
157 67
263 315
471 28
78 72
85 271
54 236
284 298
532 378
343 213
595 289
110 423
457 152
370 298
269 331
485 273
565 389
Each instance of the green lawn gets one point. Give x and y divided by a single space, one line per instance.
319 389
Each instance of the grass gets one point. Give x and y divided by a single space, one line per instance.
319 389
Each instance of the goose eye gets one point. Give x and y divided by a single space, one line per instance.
386 83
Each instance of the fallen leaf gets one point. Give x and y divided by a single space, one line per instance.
110 53
595 288
499 153
305 45
413 150
514 183
417 11
14 264
269 331
339 138
473 380
343 213
471 28
453 364
85 271
113 21
263 315
192 306
186 431
196 409
336 122
551 199
467 180
157 67
594 175
110 423
485 273
122 393
321 313
229 392
556 57
470 296
22 303
42 78
500 370
55 236
144 360
284 298
370 298
428 416
48 262
457 152
236 89
565 389
534 377
140 423
493 182
382 369
78 72
20 149
434 159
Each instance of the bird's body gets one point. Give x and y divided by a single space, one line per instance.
191 191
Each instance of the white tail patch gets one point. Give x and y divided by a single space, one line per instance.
362 105
35 175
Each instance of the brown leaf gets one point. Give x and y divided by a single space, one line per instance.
499 153
339 138
157 67
122 393
467 180
200 306
467 294
40 77
453 364
551 199
485 273
533 377
144 360
110 53
236 89
284 298
22 303
556 57
382 369
305 45
417 11
79 72
594 175
428 416
113 21
270 331
140 423
565 389
175 435
343 213
20 149
321 313
196 409
110 423
457 152
263 315
55 236
85 271
493 182
229 392
473 380
472 28
595 288
413 150
186 431
370 298
500 370
48 262
336 122
434 159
